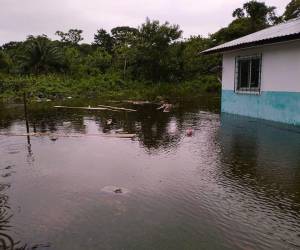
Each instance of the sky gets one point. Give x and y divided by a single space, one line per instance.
20 18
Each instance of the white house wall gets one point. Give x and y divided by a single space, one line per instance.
279 99
280 67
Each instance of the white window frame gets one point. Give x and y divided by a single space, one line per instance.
249 89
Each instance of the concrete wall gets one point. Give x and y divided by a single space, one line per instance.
280 84
270 105
280 67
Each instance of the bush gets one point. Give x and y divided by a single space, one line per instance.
55 86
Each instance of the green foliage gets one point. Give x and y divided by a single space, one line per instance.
104 40
73 36
124 35
252 17
292 10
74 61
98 62
5 62
55 86
260 14
147 61
152 49
40 56
194 64
236 29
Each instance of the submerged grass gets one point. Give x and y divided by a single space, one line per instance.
106 86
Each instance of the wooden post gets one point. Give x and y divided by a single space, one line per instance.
25 112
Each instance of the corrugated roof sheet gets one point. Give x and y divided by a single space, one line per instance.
280 32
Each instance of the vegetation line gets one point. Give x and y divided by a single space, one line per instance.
128 62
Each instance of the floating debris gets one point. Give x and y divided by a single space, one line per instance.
118 191
6 175
117 108
109 122
114 190
67 124
40 246
54 137
85 108
189 132
167 107
120 135
137 102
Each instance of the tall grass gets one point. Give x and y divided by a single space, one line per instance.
53 86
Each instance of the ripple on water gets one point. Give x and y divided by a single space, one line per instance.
237 187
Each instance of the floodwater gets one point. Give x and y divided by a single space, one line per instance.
233 184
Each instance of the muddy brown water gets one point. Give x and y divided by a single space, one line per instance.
234 184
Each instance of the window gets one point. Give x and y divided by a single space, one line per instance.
248 74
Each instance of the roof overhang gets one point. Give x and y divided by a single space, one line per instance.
273 40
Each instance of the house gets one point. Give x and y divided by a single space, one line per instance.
261 74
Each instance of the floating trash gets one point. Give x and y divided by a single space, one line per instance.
118 191
115 190
53 137
189 132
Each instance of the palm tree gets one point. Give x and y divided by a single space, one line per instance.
41 55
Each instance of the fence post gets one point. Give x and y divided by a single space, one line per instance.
25 111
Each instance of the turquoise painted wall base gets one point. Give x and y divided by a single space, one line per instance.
274 106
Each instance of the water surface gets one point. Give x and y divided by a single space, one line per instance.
235 184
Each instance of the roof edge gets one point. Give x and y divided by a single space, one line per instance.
274 40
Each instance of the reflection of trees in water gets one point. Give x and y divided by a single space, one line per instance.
260 157
8 116
151 125
7 236
7 242
159 130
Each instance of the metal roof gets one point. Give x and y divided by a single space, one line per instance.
282 32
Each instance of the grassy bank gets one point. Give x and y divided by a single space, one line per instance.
106 86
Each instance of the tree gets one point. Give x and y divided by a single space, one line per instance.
12 51
74 60
260 14
252 17
195 64
73 36
5 62
237 28
238 13
292 10
124 58
40 56
104 40
124 35
99 61
152 48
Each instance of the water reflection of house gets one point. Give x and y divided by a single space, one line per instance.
261 74
266 153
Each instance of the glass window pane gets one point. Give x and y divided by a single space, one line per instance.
243 73
255 73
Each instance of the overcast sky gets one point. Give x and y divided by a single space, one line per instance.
19 18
